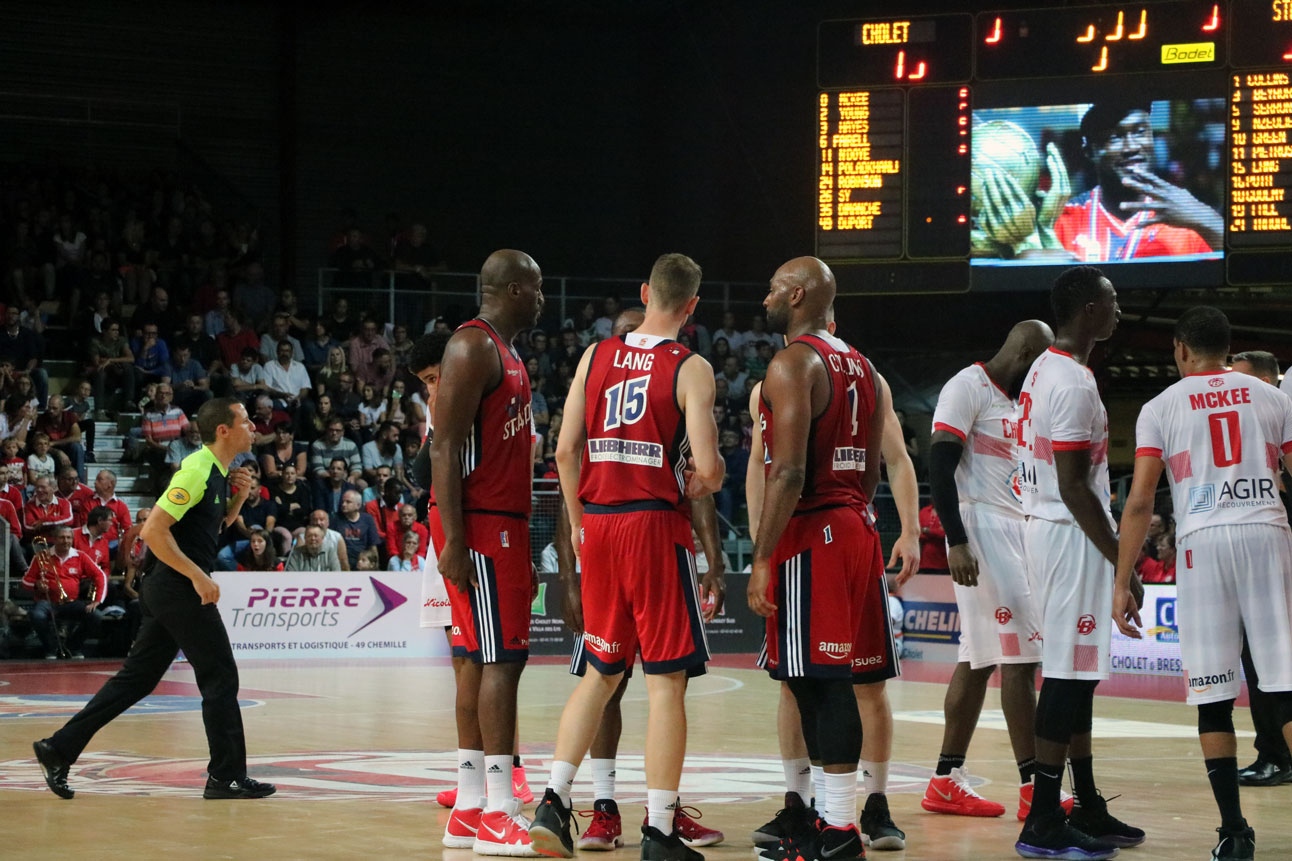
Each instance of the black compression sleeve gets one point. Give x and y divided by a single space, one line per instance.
421 468
944 457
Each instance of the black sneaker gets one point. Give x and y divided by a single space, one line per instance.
239 787
1052 837
800 846
54 767
1091 816
658 846
1265 772
1235 845
550 831
793 821
877 828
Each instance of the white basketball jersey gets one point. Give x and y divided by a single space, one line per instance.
974 408
1059 410
1221 436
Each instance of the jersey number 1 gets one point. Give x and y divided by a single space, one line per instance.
1226 441
626 402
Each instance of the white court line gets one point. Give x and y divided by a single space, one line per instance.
1103 727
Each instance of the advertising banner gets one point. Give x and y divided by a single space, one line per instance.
307 614
1158 653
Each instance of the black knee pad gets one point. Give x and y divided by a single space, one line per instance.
839 724
1216 717
1062 706
807 695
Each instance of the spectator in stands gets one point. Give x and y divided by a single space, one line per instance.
54 580
209 249
539 348
10 519
358 530
405 525
400 410
111 361
236 339
188 378
384 510
331 538
105 493
25 349
246 377
266 417
401 346
256 298
152 356
101 278
605 324
24 260
134 262
408 558
369 560
355 262
332 486
64 433
410 443
158 313
16 422
256 511
42 462
294 500
334 444
131 551
178 449
77 494
88 322
71 247
319 347
92 538
933 543
282 451
342 325
1161 569
416 258
756 334
732 492
312 554
1157 527
371 406
13 476
286 378
44 511
381 373
333 367
734 373
259 554
279 330
758 363
80 403
201 345
362 349
735 339
163 422
346 399
215 320
383 450
299 324
372 492
318 412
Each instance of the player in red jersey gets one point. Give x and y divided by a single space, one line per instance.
822 415
1131 213
482 485
638 440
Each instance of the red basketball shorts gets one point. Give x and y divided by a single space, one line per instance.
639 593
491 622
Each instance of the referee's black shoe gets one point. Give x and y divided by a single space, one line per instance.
54 767
239 787
1265 772
549 833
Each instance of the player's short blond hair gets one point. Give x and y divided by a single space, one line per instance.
674 279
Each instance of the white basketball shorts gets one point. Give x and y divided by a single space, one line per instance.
1074 589
1000 622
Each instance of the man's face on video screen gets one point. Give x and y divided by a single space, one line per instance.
1125 149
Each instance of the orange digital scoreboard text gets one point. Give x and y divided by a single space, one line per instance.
860 172
1260 168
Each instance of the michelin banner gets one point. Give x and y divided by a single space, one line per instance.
345 615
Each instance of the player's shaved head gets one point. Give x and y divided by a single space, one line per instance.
1029 338
507 266
627 320
802 289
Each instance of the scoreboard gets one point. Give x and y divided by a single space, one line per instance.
983 150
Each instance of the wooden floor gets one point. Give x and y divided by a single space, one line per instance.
359 751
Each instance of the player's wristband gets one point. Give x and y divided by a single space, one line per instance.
944 457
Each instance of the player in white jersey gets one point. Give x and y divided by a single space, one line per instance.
1070 547
1220 436
974 479
1273 764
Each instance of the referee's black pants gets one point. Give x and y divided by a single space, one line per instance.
174 618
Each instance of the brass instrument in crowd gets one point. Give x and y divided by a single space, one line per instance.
46 571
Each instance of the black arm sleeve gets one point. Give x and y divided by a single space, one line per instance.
421 469
944 457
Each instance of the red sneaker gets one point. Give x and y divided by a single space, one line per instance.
606 829
953 794
692 832
447 797
520 786
460 833
1025 801
504 832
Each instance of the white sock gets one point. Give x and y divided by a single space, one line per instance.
561 780
498 791
798 777
471 779
840 808
603 779
818 787
875 776
660 804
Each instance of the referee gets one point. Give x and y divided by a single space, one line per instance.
179 612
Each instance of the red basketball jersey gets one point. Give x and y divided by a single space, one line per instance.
637 445
497 460
836 459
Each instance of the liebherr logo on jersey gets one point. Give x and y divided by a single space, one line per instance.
850 458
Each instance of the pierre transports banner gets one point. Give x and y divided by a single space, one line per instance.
343 615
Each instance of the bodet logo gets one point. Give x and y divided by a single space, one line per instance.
284 608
